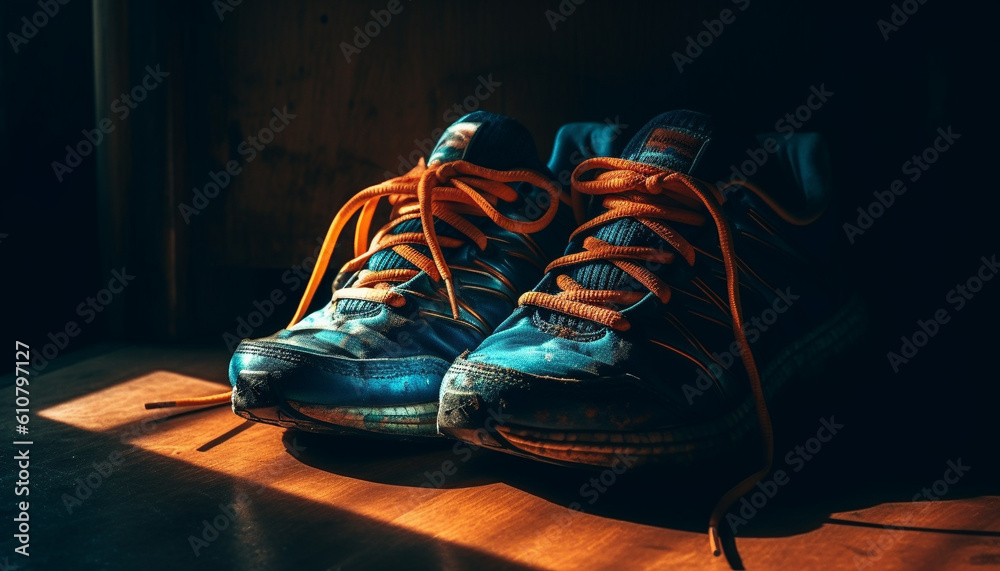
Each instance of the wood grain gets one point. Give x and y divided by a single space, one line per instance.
309 502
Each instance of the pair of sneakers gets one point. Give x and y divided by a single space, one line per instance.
647 310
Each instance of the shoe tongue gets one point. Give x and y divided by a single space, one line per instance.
675 140
481 138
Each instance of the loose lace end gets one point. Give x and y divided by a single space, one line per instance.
452 298
195 401
713 540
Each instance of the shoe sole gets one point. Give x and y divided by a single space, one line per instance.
254 399
682 446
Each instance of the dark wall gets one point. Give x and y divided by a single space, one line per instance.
48 231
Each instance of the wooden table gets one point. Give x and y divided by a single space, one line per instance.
206 489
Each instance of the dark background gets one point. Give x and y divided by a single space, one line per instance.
61 240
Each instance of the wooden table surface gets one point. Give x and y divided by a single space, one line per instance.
206 489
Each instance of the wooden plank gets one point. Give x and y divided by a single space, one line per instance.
317 502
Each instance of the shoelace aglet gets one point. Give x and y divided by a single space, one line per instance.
196 401
713 540
162 404
452 298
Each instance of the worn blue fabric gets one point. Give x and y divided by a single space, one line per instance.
355 353
675 367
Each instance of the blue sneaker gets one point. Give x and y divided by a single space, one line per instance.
674 313
468 233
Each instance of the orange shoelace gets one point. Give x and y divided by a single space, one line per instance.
446 192
651 196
